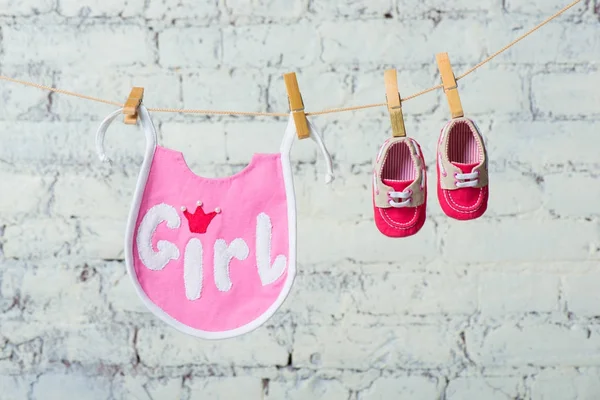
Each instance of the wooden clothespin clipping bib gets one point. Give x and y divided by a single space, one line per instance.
130 109
296 105
450 85
394 103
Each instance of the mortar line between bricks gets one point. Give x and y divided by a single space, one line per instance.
268 114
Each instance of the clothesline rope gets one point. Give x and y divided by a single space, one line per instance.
268 114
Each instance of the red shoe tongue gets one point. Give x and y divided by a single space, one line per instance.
398 186
465 168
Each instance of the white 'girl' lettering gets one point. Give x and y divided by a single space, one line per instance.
223 253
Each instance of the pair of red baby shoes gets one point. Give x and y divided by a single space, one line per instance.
400 180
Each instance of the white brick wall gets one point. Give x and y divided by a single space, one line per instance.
505 307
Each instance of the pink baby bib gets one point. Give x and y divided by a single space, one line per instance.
213 257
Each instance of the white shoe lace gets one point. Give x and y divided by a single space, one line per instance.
395 196
467 180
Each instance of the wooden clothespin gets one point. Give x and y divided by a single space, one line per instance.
130 109
296 105
394 103
450 85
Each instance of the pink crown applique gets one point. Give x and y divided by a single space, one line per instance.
199 220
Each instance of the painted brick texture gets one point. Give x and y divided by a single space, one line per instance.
505 307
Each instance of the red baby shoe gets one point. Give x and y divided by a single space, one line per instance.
462 170
399 188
